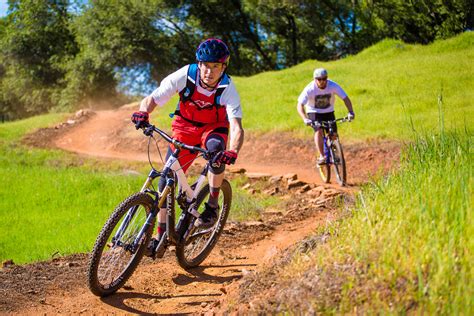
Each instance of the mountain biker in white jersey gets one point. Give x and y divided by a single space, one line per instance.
319 97
208 109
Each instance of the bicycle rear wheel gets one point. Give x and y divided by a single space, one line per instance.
198 243
338 162
113 258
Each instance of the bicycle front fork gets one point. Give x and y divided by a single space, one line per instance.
327 156
161 199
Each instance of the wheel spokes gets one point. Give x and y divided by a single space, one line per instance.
338 163
194 248
197 240
116 258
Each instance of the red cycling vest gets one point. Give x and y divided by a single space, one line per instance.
197 108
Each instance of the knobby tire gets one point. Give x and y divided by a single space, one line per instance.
324 170
115 263
339 163
189 253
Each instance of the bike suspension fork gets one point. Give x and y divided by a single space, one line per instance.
326 148
161 199
151 176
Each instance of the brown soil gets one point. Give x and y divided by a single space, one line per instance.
162 287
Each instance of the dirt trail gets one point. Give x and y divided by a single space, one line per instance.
110 134
162 287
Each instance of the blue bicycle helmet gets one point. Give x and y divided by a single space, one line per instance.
213 50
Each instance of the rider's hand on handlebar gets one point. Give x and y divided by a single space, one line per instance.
351 116
140 119
307 121
227 156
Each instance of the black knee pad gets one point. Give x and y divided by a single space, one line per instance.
215 143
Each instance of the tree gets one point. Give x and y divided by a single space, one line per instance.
53 59
128 34
418 21
36 43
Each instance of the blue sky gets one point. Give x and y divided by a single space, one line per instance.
3 7
73 6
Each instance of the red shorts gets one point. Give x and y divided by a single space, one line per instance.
193 135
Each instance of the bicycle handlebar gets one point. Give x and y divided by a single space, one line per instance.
327 124
148 130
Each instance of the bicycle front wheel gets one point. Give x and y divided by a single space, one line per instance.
198 243
115 256
324 172
339 163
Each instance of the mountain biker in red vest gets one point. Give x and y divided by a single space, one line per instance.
319 97
208 109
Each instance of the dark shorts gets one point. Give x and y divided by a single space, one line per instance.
319 117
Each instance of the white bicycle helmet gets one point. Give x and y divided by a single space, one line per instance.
320 73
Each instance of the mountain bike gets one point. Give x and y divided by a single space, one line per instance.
123 239
334 156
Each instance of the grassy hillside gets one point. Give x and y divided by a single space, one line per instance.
52 202
406 248
46 194
388 83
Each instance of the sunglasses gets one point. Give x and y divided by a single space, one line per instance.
322 79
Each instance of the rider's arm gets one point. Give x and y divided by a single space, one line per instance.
231 99
348 104
303 99
169 86
301 111
147 104
236 134
343 95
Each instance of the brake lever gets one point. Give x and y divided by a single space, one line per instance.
316 125
207 156
148 131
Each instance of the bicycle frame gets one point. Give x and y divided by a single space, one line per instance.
328 135
328 138
171 172
127 235
333 155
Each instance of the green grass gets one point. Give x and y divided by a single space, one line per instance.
48 203
54 203
248 207
47 209
409 244
51 202
12 131
387 83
